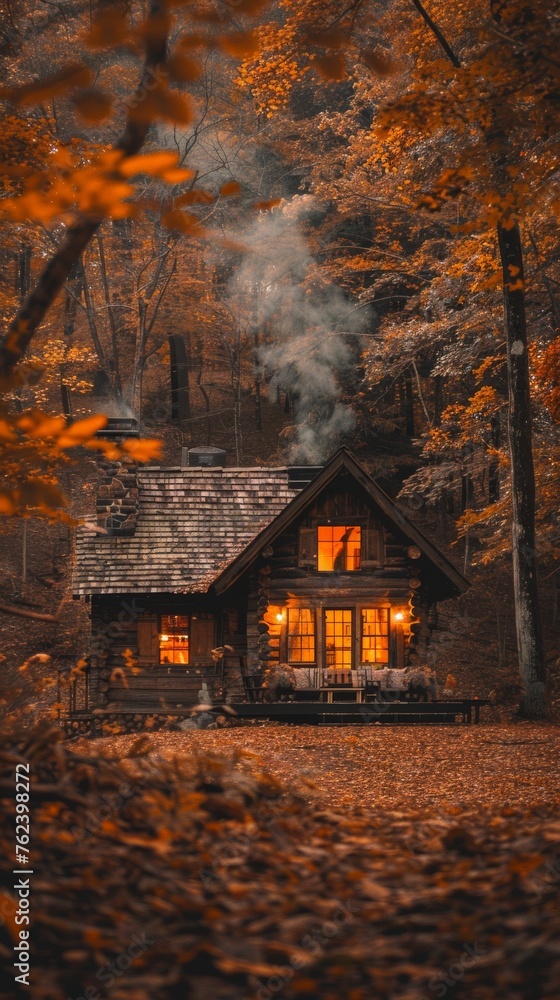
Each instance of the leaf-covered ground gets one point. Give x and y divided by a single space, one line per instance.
392 767
170 871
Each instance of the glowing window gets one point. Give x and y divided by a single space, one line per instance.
174 639
375 635
301 635
339 548
338 639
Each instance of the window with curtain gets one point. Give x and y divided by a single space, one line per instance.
174 639
375 635
301 635
339 548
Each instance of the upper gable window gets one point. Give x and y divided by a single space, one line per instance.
339 548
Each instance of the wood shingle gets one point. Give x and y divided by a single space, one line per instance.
191 524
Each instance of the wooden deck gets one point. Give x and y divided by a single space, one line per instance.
462 710
135 698
465 710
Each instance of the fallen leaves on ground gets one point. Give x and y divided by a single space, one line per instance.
389 766
166 876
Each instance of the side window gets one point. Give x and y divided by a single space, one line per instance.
174 639
301 635
375 635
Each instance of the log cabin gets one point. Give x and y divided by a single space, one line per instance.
205 575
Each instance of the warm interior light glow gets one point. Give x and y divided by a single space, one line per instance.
339 548
280 616
399 617
164 638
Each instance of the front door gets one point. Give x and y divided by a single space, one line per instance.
338 639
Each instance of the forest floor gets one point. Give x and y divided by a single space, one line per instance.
278 863
389 767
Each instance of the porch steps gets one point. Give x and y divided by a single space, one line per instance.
466 710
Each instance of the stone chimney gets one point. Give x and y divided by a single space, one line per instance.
117 492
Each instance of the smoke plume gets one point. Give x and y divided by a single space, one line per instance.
306 327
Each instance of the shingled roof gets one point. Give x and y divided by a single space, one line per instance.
192 523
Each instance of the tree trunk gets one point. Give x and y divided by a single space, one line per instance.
258 411
407 406
110 311
135 392
438 400
32 311
494 468
530 644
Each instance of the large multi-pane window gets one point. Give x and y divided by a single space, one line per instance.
338 639
174 639
338 548
375 635
301 635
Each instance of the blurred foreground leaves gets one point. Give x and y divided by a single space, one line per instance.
236 887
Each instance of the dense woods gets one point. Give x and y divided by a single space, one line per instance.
279 227
349 230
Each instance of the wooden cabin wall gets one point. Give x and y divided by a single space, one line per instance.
279 582
125 647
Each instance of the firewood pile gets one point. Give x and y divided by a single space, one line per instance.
207 878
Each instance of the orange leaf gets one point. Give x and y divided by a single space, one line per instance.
108 449
109 29
378 62
177 175
38 425
35 493
165 104
74 75
8 909
182 68
194 197
240 44
148 163
183 221
93 105
193 41
6 432
142 450
229 189
81 430
7 505
331 67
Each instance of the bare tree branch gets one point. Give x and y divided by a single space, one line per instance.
11 609
439 34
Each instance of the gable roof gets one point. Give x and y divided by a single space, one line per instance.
192 523
203 527
446 578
